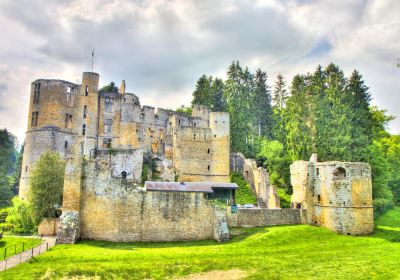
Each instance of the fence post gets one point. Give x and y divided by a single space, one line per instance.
23 246
5 268
32 252
15 249
47 246
5 252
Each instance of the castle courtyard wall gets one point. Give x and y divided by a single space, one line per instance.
118 209
258 217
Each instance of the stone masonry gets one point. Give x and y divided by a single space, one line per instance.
337 195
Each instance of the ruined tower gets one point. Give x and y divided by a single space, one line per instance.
337 195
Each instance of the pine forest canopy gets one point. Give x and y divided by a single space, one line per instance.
322 112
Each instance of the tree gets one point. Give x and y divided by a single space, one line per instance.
262 106
185 110
8 158
279 98
219 99
8 153
6 183
361 132
47 180
109 88
20 215
202 95
237 90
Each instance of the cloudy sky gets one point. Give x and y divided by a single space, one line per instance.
161 47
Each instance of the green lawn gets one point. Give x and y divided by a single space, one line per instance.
281 252
11 245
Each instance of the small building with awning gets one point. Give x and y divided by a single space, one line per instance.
214 190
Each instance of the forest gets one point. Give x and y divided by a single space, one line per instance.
324 112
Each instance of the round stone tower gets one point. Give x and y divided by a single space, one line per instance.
50 123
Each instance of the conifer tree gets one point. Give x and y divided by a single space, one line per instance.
362 117
202 95
219 99
262 106
280 97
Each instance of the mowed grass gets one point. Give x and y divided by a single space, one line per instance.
281 252
11 245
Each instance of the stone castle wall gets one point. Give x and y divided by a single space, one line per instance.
258 178
188 148
337 195
259 217
115 208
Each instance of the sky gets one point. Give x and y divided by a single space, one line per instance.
160 48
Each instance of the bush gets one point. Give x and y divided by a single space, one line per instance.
6 227
3 215
20 216
244 195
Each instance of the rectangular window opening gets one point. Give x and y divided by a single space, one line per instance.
86 91
84 129
36 93
84 111
107 125
107 143
66 144
35 116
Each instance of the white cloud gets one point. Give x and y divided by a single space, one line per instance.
161 47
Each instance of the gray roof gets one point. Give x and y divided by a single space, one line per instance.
204 187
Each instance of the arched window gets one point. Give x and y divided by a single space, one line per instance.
123 175
339 173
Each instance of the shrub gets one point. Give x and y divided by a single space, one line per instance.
244 195
20 216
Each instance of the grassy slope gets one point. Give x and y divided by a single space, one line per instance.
282 252
244 195
10 243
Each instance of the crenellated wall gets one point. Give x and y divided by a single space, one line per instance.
65 114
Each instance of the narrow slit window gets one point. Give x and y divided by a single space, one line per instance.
35 116
66 144
36 94
84 112
194 136
86 91
84 129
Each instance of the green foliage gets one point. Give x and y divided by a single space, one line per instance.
8 153
280 97
46 182
244 195
109 88
284 197
6 183
185 110
276 161
20 216
3 214
202 95
278 252
145 173
219 99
